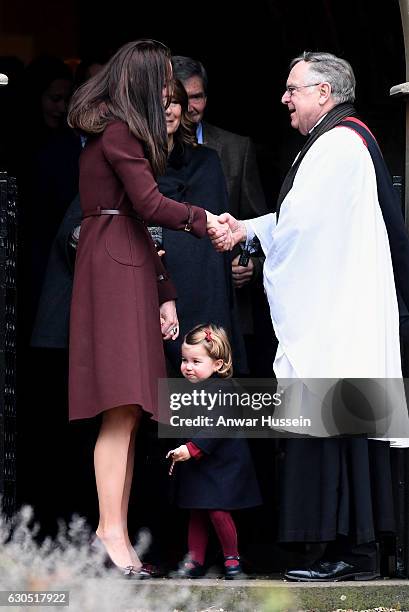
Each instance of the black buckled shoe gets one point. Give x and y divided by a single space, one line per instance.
191 569
330 571
233 572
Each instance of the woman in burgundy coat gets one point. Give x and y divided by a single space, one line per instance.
123 302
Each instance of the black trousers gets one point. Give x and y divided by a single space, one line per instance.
364 556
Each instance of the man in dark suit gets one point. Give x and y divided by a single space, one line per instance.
238 157
236 152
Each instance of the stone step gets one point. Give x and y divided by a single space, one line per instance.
266 595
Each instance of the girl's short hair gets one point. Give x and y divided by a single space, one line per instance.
216 343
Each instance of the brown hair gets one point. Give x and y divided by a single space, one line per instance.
216 343
186 133
128 88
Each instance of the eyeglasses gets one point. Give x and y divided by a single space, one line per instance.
292 88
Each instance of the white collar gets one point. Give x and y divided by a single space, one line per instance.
318 122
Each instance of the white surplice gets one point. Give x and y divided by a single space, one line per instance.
328 272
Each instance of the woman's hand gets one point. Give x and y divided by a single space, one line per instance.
221 238
219 232
169 323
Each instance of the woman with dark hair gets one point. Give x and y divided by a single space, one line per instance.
194 173
123 301
47 86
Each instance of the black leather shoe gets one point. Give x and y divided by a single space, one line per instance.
191 569
330 571
233 572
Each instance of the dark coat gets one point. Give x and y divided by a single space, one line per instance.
53 315
46 187
116 351
246 198
201 276
224 478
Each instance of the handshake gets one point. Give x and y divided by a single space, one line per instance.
225 231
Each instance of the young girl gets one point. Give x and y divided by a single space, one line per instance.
218 475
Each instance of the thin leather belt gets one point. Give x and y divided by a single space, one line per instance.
111 211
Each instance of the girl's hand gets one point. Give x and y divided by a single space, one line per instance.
169 323
179 454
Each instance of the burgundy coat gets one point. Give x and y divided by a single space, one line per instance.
116 351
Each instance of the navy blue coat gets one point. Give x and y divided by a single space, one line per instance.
224 478
202 277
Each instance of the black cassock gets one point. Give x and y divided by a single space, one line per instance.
331 487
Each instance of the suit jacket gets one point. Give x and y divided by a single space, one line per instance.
238 157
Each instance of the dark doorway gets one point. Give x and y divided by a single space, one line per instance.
246 52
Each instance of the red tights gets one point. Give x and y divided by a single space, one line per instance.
199 534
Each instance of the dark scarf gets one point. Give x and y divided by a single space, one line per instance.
180 155
333 118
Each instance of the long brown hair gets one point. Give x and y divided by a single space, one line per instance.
186 133
129 88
